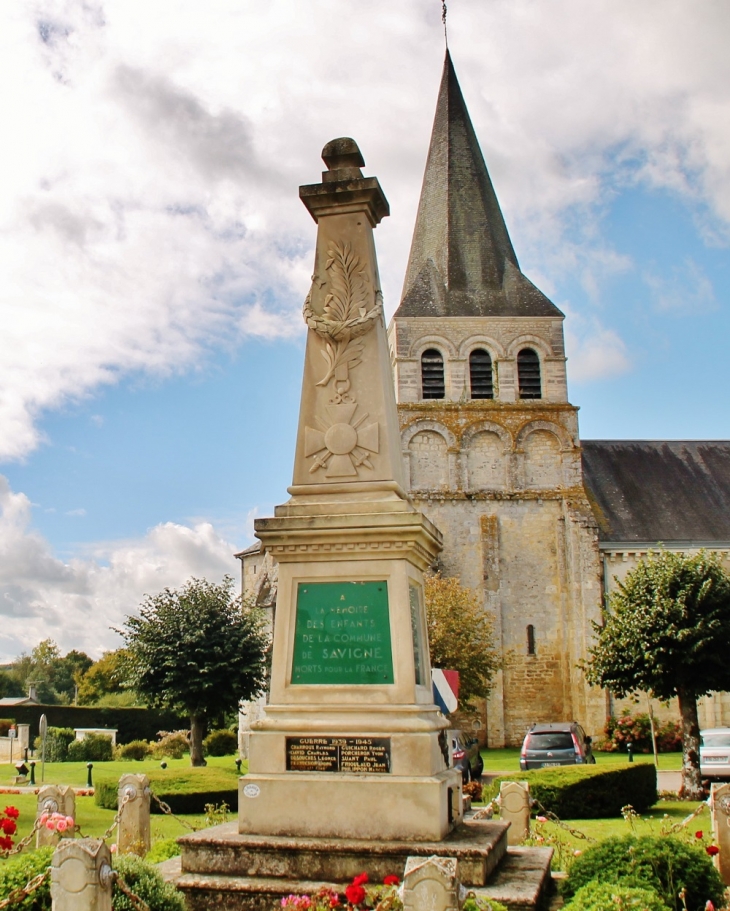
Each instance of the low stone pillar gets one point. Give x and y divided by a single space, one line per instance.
81 875
431 884
134 824
720 810
54 799
514 808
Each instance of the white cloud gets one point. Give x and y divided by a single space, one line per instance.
149 183
686 290
594 351
76 603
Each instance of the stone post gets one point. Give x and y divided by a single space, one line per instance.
54 799
720 810
431 884
134 824
514 808
81 876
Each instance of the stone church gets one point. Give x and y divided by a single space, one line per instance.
537 521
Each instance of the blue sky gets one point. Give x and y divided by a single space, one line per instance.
156 255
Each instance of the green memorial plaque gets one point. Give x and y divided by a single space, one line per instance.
342 634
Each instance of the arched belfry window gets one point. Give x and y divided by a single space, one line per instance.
432 374
481 382
528 374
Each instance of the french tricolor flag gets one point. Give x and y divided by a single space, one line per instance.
445 689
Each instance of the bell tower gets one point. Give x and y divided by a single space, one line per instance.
490 441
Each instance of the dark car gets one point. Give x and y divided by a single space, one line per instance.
465 755
558 743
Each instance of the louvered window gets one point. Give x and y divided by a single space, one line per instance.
480 375
432 374
528 373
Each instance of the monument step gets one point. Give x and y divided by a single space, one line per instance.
478 846
521 881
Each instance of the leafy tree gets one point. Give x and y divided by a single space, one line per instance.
197 649
666 632
460 636
53 674
106 678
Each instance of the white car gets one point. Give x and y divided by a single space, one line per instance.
715 753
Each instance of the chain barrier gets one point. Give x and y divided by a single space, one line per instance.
117 818
20 894
165 807
24 842
685 822
138 903
576 833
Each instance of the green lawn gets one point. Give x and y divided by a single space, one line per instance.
508 760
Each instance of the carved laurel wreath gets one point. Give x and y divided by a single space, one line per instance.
346 313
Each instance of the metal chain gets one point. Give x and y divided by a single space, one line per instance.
165 807
135 899
18 895
559 822
24 842
685 822
115 821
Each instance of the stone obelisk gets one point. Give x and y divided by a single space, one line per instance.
351 744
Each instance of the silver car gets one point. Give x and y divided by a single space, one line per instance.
715 753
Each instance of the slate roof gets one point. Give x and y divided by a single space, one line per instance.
659 491
462 262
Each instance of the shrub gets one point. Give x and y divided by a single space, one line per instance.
636 730
137 749
145 882
162 850
172 744
5 725
185 790
473 789
93 748
597 896
663 863
589 792
57 744
19 870
221 743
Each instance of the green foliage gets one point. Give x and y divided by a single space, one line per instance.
662 863
105 677
93 748
589 792
185 790
221 743
131 723
171 744
19 870
460 636
197 649
54 675
163 850
147 884
137 749
471 904
5 725
57 744
635 728
598 896
666 630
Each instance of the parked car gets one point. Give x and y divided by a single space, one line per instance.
715 753
465 755
557 743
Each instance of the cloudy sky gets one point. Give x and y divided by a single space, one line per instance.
154 254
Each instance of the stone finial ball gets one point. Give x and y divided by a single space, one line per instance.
342 153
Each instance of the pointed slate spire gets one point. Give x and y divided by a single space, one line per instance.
462 262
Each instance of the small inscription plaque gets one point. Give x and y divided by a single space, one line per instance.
338 754
342 634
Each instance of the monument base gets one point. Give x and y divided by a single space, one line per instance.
342 806
228 871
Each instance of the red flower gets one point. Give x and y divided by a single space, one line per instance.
712 850
355 894
698 834
360 879
6 843
11 812
391 880
8 826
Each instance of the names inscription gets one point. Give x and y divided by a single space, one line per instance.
338 754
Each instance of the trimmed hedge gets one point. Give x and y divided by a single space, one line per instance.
131 723
662 863
598 896
589 792
186 791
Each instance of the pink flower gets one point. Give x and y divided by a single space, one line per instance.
709 906
114 848
44 819
50 825
61 825
541 818
70 821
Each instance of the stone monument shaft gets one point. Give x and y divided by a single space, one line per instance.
351 744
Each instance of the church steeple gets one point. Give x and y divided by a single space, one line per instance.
462 262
